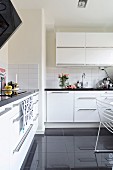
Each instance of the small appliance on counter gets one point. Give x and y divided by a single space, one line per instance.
106 83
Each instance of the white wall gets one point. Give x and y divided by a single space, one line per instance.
27 48
25 45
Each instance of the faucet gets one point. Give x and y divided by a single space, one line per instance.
82 83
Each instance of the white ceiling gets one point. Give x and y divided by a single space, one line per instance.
65 13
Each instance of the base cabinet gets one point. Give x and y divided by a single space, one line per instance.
60 106
35 111
74 106
86 115
17 131
18 154
4 138
85 107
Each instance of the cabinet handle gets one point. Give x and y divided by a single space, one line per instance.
35 94
62 64
5 111
35 102
35 117
109 109
17 119
87 98
87 109
70 47
22 140
60 92
17 104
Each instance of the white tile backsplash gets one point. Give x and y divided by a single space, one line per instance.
27 75
92 75
24 66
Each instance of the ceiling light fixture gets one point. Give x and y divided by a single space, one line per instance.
82 3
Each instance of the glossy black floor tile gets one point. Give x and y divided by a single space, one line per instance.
54 132
70 149
80 132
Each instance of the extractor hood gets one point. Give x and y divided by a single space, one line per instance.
9 20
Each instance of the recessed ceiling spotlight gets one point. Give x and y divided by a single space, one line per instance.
82 3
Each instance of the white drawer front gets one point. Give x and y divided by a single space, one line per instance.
86 115
107 94
85 102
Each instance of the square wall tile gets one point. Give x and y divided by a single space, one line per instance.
24 66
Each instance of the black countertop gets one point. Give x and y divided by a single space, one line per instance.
77 89
6 99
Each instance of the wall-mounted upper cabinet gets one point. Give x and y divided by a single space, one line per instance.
70 56
94 49
70 39
99 56
99 40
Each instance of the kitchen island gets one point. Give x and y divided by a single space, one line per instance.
18 124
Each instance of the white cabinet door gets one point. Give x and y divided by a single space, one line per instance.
70 39
99 39
35 111
70 56
4 138
60 106
99 56
17 155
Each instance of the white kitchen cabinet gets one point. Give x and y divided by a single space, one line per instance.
19 152
99 39
99 49
70 48
60 106
85 107
86 115
35 111
21 131
70 56
70 39
106 94
84 49
99 56
5 113
15 139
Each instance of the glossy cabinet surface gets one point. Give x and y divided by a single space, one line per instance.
35 111
60 106
84 48
99 56
70 56
70 39
74 106
5 137
15 139
99 39
85 107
